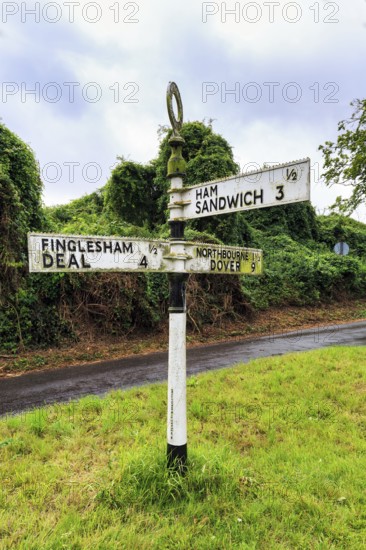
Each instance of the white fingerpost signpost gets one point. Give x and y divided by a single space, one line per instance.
177 402
281 184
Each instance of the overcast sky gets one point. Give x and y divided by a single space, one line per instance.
83 82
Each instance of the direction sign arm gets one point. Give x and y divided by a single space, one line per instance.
281 184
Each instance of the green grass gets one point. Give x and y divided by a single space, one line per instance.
277 459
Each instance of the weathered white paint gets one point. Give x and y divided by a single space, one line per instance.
177 408
176 207
282 184
49 253
70 253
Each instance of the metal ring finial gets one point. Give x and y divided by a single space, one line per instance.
173 91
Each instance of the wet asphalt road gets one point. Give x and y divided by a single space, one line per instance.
36 389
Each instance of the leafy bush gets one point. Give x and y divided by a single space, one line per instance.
20 212
300 267
20 207
335 228
297 274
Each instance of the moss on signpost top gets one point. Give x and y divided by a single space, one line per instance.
176 163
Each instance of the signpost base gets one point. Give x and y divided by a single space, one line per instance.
177 458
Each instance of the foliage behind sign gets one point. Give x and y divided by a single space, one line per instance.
345 160
20 206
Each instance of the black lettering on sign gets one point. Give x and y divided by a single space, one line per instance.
213 204
47 260
73 261
143 262
60 260
127 247
248 201
222 203
291 175
80 248
225 266
60 245
258 196
232 201
206 192
83 262
280 193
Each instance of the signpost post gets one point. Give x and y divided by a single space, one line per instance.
282 184
177 402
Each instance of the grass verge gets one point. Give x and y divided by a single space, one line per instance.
277 459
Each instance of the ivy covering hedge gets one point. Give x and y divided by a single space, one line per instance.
40 310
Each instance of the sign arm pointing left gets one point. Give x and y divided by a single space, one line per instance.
50 253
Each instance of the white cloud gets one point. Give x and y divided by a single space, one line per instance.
171 42
281 28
